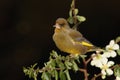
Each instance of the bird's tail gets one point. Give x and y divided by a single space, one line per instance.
95 49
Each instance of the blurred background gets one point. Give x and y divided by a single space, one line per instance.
26 30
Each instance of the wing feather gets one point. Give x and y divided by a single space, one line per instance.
79 39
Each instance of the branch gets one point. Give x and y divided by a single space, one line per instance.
73 10
85 69
96 76
85 73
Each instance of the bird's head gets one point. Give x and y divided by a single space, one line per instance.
61 23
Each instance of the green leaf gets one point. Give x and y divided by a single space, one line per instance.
68 64
31 72
75 66
46 76
60 63
117 39
118 51
76 11
62 75
51 72
67 74
81 18
70 20
51 63
63 57
70 13
72 3
33 66
117 71
25 70
54 54
56 75
77 59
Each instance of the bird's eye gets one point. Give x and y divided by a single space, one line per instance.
62 24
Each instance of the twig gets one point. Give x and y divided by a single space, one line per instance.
96 76
85 67
89 60
85 70
73 10
85 73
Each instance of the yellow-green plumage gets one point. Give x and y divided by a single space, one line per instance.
70 40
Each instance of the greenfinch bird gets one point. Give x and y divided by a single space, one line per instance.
70 40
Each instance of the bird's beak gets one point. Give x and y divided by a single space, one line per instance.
57 26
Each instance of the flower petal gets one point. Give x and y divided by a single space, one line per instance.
110 63
92 63
113 54
104 60
109 71
103 72
106 54
112 42
107 47
117 78
98 64
115 47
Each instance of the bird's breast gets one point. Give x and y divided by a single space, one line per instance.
65 44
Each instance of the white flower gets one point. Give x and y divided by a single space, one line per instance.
105 68
110 49
110 53
112 46
117 78
98 60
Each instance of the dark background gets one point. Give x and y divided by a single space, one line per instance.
26 30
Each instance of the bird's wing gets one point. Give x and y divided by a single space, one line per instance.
77 37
